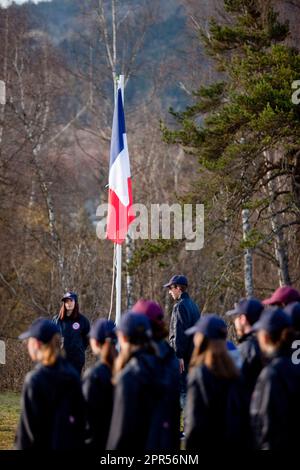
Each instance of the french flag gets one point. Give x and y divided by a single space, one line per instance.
120 190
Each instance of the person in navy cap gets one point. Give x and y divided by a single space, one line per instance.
216 412
246 312
74 328
168 412
275 404
138 388
293 311
52 407
184 315
97 384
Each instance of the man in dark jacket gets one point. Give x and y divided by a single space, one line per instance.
245 313
185 314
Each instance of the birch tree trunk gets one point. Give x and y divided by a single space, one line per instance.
280 247
36 144
248 255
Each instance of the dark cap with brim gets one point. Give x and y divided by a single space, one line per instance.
178 279
41 329
251 308
273 320
211 326
136 326
103 329
69 295
293 312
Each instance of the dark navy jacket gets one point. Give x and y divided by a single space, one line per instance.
75 339
166 433
98 393
216 412
275 405
252 362
52 409
184 315
137 396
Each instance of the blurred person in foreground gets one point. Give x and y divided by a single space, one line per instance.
97 384
52 406
216 409
168 412
138 388
275 404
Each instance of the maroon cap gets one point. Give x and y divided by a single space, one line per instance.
149 308
283 295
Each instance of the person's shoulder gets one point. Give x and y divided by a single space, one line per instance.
84 319
67 369
98 371
249 344
35 377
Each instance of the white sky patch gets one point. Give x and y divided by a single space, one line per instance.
7 3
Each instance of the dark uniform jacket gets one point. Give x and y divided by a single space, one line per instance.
216 412
98 393
167 436
275 405
75 340
184 315
52 409
138 391
252 362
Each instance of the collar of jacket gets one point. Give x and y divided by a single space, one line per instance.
184 295
246 336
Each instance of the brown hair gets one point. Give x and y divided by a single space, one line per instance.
159 330
63 311
214 355
125 356
108 352
49 352
283 339
182 287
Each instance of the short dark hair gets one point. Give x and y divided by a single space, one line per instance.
182 287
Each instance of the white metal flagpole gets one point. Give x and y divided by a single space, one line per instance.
118 282
119 246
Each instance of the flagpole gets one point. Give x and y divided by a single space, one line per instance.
118 245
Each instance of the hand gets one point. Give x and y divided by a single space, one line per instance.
181 366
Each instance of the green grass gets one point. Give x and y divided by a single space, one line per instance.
9 416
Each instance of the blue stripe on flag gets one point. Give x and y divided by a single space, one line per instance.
117 141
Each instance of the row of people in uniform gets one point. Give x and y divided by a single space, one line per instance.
130 401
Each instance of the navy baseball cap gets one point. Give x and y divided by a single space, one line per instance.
251 308
211 326
293 312
136 326
178 279
102 329
69 295
41 329
272 320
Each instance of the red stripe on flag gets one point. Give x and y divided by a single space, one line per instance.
119 217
